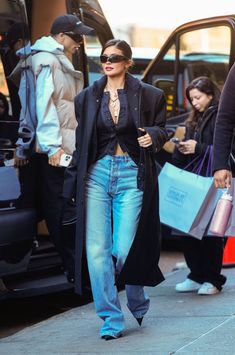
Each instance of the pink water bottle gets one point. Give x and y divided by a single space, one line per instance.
221 215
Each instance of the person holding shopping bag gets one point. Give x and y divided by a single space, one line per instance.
203 257
121 125
224 148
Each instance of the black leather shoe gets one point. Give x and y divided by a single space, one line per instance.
110 337
139 320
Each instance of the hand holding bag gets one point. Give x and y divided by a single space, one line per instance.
187 200
221 215
230 225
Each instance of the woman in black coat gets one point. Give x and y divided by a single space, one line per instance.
203 257
121 125
224 147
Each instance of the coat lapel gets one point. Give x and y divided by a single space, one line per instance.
93 103
134 99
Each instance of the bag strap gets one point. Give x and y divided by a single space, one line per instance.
200 160
209 169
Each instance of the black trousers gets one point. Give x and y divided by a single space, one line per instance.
42 186
204 259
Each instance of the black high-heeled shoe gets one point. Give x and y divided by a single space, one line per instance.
111 337
139 320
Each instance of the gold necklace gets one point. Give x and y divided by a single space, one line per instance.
115 108
114 103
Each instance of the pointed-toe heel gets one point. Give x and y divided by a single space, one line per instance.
111 337
108 337
139 320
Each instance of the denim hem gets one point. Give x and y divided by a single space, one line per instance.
138 314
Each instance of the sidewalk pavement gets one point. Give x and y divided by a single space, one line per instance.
177 323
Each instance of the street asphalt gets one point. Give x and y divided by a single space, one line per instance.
177 323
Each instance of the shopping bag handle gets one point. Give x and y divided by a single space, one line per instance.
209 165
200 161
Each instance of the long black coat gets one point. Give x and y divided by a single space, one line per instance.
147 106
224 141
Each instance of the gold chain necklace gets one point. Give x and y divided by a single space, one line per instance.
114 103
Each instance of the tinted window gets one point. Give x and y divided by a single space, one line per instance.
204 51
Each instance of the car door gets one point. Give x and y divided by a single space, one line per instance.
203 47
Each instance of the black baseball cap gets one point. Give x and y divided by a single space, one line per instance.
70 23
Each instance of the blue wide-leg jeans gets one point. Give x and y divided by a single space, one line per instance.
113 205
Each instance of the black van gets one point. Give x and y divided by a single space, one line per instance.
29 263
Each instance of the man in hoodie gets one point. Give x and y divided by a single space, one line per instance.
56 85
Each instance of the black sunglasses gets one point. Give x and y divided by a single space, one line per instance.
75 37
113 58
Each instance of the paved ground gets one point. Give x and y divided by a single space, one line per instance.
176 324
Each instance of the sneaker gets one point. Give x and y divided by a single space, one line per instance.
208 289
187 286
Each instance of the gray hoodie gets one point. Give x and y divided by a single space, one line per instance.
57 83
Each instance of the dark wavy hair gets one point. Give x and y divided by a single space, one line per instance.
119 44
207 86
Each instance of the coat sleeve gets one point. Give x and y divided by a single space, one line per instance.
201 146
179 159
70 178
225 124
158 132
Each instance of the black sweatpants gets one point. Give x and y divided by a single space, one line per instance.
204 259
42 186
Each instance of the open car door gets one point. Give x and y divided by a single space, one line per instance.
202 47
28 260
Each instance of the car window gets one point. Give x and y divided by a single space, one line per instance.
204 51
93 61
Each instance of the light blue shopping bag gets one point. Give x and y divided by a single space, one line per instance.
187 200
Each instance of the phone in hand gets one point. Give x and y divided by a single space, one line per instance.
65 159
175 140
